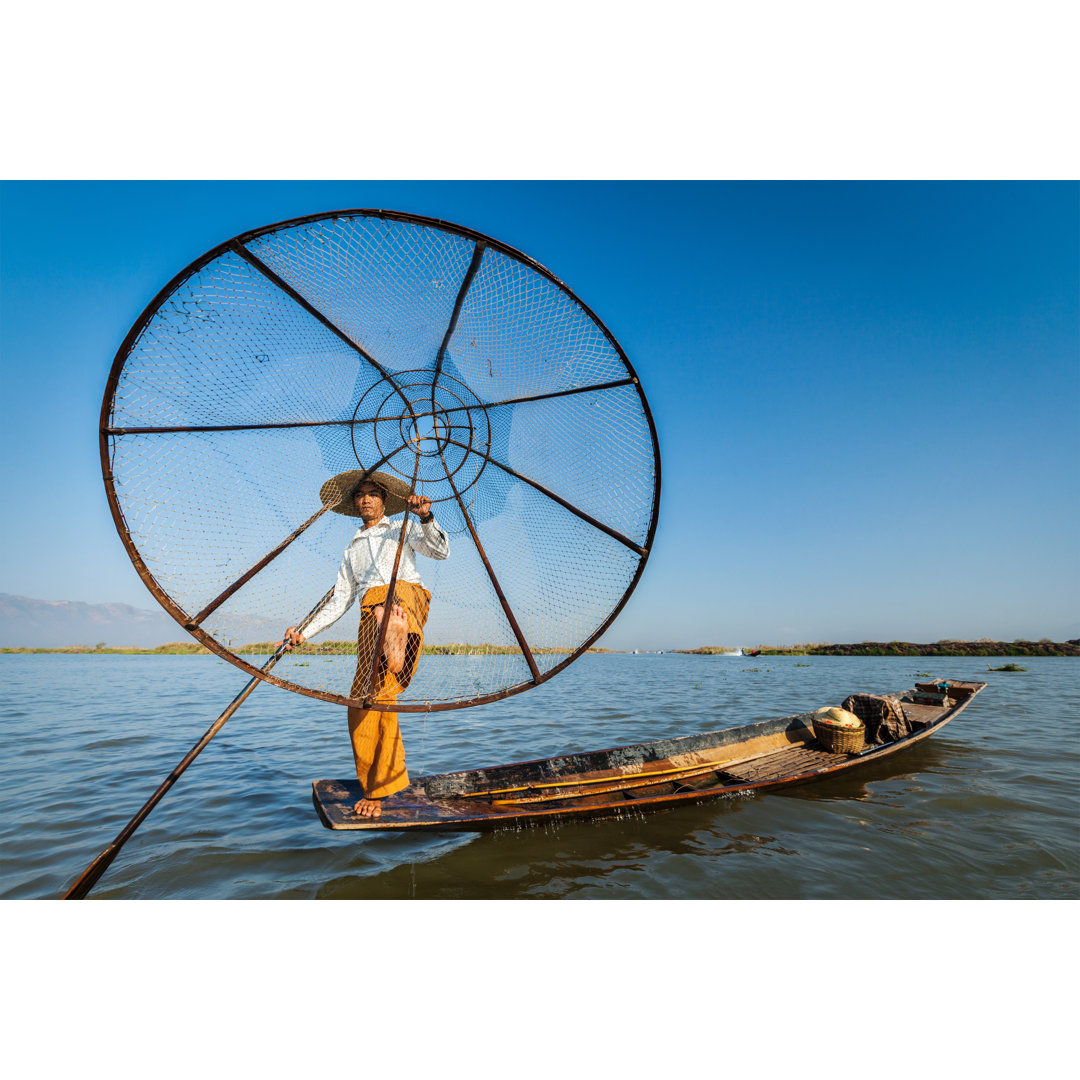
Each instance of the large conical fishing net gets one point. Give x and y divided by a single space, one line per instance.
368 340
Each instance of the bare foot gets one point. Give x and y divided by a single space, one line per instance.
368 807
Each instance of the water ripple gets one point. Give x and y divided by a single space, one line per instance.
987 808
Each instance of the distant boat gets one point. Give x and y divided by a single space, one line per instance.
752 652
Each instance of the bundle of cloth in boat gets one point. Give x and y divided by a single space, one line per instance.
883 716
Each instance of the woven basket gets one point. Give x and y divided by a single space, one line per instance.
839 740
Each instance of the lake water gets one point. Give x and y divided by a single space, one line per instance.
987 808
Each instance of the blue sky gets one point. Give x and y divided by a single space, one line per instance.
867 394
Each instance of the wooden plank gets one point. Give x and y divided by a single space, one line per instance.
922 714
786 763
334 800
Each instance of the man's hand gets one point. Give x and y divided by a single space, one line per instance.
292 637
419 505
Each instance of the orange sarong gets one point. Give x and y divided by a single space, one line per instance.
375 735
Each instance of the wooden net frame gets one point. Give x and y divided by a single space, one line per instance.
374 340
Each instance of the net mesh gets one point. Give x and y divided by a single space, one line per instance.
314 348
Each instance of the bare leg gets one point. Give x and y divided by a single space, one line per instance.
379 757
397 633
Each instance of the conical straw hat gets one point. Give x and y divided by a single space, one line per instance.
337 492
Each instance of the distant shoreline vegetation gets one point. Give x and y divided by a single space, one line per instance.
949 647
946 647
264 648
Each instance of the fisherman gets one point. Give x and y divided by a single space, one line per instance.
366 568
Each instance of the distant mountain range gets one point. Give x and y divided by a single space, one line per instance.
41 624
44 624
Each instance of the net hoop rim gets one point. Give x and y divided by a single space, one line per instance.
184 619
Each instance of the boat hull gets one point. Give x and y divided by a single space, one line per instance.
657 775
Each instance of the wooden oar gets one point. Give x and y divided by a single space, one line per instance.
646 778
616 784
89 877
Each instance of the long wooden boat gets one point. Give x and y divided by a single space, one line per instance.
647 776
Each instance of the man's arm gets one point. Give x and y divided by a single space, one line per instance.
338 604
426 535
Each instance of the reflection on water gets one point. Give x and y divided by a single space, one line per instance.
986 808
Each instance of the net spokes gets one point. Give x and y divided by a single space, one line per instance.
375 343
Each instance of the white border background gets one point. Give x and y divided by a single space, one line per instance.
572 89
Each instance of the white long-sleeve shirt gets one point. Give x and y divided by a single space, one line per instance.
369 561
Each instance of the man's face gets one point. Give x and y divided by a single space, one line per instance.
368 499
